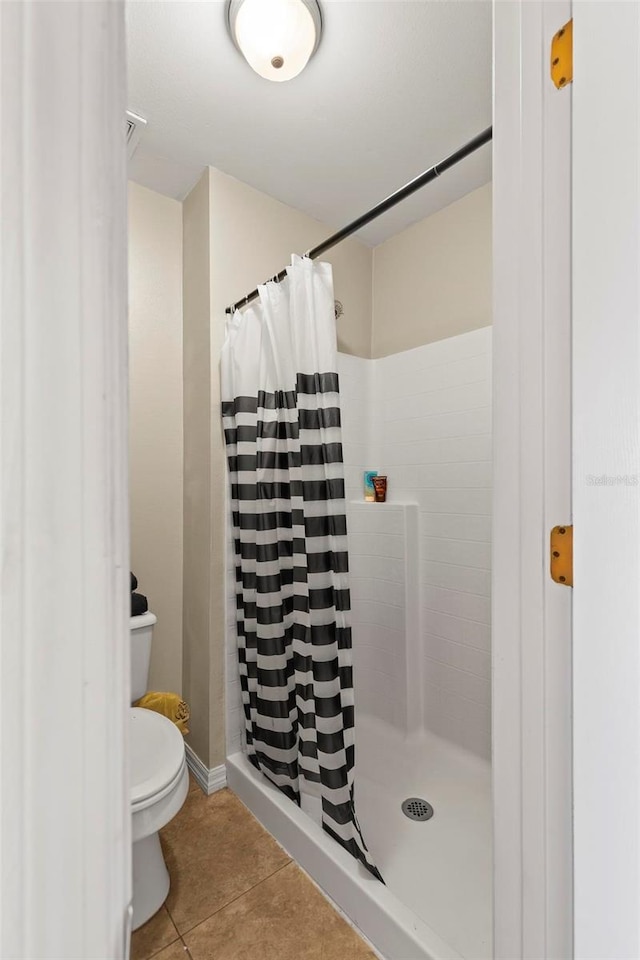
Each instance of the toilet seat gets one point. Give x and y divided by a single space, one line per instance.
159 787
157 757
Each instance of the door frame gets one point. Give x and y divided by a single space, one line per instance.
65 839
531 615
64 484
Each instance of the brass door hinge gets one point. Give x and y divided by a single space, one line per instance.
561 555
562 56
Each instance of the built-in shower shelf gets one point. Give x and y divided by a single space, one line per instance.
382 506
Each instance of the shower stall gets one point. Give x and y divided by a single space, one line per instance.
419 579
420 587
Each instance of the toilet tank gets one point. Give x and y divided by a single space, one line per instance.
141 636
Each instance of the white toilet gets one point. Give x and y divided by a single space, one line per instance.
159 780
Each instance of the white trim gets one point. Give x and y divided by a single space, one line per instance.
531 636
209 779
606 344
65 853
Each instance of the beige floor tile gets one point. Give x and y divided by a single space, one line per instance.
215 851
177 951
193 783
155 934
283 918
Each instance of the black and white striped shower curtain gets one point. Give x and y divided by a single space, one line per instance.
281 416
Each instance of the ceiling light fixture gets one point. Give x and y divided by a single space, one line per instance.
277 38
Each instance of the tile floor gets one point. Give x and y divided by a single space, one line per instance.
236 895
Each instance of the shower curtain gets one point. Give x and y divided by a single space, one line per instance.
281 417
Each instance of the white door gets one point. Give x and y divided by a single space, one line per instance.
64 827
606 481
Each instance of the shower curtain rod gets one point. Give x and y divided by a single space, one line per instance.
416 184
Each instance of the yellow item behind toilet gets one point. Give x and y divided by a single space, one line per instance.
170 705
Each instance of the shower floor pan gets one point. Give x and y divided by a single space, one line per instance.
436 904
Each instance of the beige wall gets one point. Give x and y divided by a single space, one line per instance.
433 280
253 237
197 655
155 368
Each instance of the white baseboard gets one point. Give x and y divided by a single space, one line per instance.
209 780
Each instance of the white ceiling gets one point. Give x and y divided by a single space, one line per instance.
395 86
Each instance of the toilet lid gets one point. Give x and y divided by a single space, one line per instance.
156 752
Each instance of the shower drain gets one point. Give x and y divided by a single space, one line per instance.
417 809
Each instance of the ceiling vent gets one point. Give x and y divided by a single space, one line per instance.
134 128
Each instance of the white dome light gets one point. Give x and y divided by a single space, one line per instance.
277 38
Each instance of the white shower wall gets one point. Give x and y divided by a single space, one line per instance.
383 560
423 417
